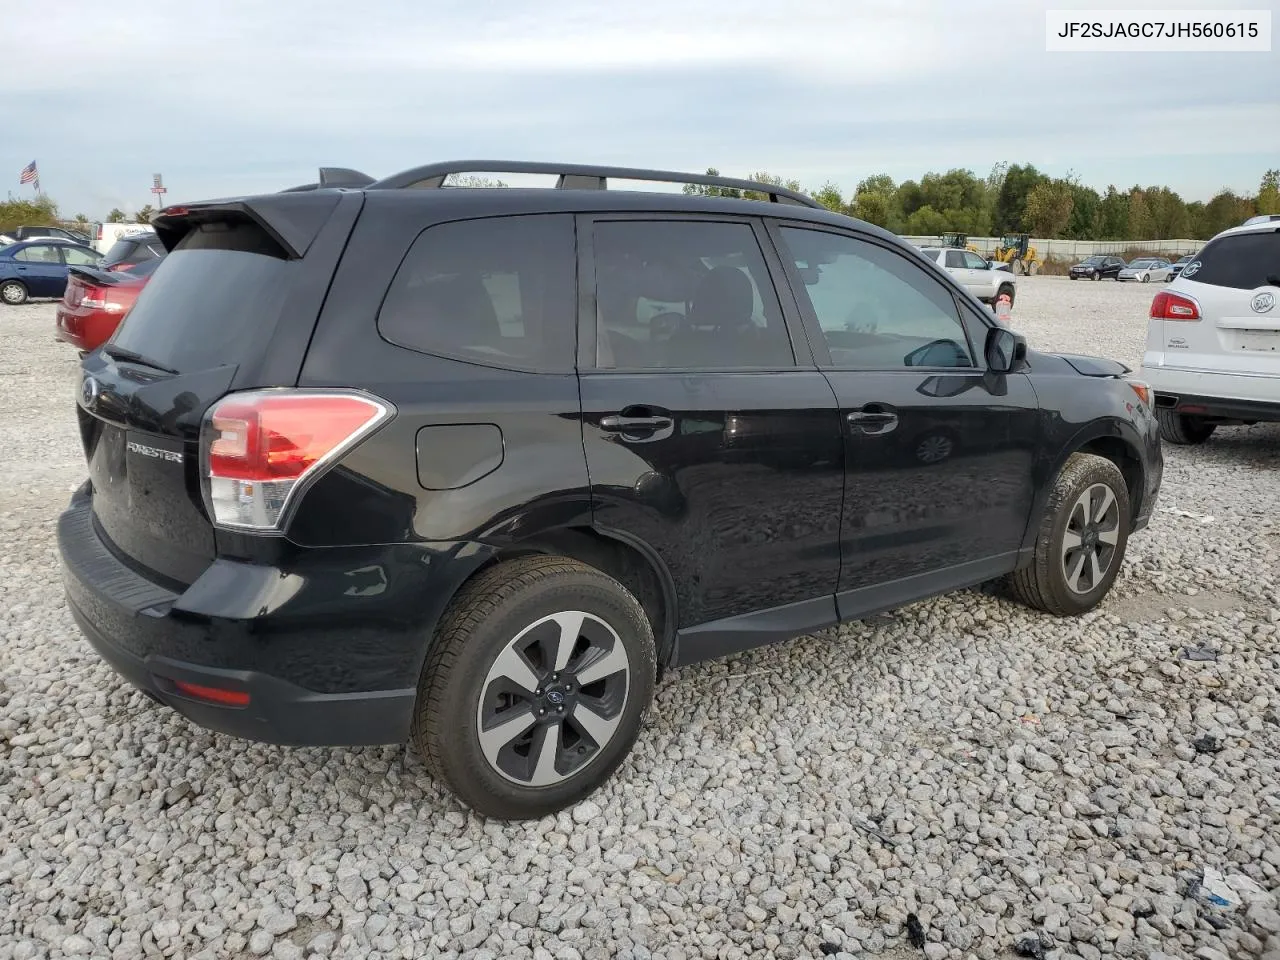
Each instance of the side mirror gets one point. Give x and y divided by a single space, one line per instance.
1006 351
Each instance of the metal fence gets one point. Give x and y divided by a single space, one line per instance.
1077 249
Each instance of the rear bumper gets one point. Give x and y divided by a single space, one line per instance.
326 658
1226 395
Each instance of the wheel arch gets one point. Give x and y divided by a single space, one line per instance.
628 561
1113 440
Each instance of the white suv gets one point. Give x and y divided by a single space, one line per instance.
983 278
1213 340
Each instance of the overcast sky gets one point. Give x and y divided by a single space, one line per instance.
241 96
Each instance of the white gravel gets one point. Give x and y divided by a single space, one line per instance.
1008 778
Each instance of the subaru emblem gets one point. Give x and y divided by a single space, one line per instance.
89 391
1263 302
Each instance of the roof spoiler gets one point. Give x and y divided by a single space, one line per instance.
291 220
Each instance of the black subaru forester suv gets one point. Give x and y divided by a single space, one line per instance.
372 461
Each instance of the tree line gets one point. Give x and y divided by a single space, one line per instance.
1018 198
1012 198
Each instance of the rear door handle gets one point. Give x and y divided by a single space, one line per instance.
872 421
616 423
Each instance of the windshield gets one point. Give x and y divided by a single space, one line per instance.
1140 264
1094 261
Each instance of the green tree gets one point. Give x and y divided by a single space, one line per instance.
1141 222
702 190
81 220
1048 208
116 216
1086 213
145 214
927 222
910 197
1169 219
1269 192
873 207
1011 202
772 180
829 196
1113 216
1223 211
17 213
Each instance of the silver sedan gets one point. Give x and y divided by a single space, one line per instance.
1146 270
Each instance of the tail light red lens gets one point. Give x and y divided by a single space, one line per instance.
1174 306
260 446
98 298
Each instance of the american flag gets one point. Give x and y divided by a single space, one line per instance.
29 174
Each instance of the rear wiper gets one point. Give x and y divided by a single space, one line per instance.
129 356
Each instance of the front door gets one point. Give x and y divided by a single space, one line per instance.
712 441
939 453
41 270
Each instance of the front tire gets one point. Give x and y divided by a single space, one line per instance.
1182 430
1081 541
13 292
1146 278
536 687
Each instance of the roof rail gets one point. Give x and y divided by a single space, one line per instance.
577 176
334 177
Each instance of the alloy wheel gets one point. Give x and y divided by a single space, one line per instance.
11 293
553 699
1090 540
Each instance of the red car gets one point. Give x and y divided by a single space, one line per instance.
97 300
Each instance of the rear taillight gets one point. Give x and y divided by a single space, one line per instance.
219 695
1174 306
260 448
99 298
99 231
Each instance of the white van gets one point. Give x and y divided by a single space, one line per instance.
108 233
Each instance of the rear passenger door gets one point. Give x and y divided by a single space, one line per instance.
939 452
712 441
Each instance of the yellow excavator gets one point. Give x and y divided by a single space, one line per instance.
1015 249
958 241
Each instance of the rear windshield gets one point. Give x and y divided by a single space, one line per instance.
120 250
213 301
1240 260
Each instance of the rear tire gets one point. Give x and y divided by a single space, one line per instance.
1182 430
1081 541
536 687
13 293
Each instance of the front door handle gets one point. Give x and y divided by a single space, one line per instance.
872 421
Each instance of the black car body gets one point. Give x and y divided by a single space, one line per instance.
127 252
1097 268
56 233
626 381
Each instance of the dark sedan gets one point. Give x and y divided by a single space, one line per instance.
38 268
1179 264
1097 268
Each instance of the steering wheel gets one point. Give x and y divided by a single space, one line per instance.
663 326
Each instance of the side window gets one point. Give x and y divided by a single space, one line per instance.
40 254
674 294
498 291
77 257
973 261
955 259
877 310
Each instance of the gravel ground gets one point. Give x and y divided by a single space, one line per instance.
1012 780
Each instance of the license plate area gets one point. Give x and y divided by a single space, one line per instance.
1258 341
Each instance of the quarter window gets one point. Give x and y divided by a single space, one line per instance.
497 291
685 294
877 310
77 257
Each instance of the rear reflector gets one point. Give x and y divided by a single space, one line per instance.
227 698
260 447
1174 306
